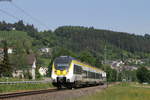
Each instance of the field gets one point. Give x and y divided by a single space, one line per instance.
23 86
123 91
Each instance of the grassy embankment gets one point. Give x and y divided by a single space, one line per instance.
5 88
23 87
122 92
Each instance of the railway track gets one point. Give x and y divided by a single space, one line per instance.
18 94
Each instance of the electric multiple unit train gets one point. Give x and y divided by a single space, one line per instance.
71 73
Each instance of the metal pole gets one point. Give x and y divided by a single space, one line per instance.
105 52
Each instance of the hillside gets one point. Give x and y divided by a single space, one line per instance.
80 41
117 44
94 46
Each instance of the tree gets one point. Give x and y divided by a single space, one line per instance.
6 69
148 77
87 57
19 57
110 73
142 74
20 26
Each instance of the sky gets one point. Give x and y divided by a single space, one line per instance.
118 15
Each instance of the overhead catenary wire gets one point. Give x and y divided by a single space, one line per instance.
9 14
23 11
29 15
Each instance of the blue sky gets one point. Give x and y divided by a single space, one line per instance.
118 15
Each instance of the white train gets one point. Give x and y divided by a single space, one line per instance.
69 72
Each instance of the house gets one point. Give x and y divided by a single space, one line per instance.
135 61
10 50
43 70
18 73
45 50
31 62
116 64
13 28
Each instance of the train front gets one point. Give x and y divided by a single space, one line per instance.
61 73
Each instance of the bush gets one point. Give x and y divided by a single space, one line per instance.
143 75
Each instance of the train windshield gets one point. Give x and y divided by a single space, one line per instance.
62 63
61 66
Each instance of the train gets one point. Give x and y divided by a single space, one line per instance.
71 73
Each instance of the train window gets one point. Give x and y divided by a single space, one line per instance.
85 74
61 66
98 76
62 63
77 69
91 75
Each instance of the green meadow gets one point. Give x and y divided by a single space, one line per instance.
124 91
5 88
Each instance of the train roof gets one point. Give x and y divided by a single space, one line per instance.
67 57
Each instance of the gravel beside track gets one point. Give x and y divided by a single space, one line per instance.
61 94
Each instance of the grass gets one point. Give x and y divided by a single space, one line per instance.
140 85
124 91
4 88
11 79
